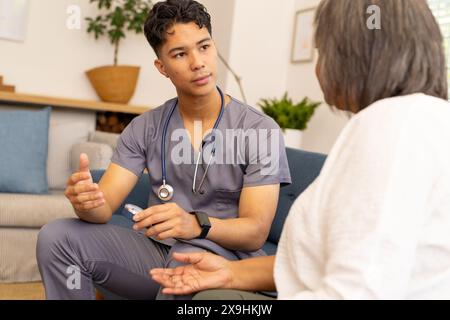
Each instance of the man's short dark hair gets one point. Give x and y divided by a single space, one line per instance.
167 13
358 66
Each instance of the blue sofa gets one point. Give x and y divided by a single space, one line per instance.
304 167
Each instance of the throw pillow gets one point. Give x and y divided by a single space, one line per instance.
99 155
105 137
23 151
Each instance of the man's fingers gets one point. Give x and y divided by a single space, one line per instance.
156 230
165 234
86 197
78 177
73 191
81 191
82 188
86 206
84 163
152 219
151 211
190 258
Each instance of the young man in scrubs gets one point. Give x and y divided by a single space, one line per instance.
225 206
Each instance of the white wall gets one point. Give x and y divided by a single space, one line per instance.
222 14
260 48
254 35
260 52
52 59
326 124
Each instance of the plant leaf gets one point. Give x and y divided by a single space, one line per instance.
287 114
120 16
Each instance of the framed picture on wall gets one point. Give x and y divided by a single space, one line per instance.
303 42
13 15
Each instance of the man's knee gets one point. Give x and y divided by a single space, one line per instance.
52 236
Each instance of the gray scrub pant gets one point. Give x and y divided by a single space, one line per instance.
73 256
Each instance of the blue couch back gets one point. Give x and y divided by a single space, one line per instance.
305 167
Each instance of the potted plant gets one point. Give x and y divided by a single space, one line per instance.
117 83
291 117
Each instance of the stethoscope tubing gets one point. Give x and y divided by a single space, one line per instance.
213 151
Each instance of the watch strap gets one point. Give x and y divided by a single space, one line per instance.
204 223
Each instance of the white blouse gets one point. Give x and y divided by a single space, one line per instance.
376 222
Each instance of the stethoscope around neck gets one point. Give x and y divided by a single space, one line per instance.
165 192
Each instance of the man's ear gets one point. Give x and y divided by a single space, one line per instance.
160 66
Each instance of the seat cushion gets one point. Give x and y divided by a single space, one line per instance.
33 211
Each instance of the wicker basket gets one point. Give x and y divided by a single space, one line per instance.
114 83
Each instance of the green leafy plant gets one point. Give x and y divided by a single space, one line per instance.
287 114
116 18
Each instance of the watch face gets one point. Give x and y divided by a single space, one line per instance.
203 219
205 224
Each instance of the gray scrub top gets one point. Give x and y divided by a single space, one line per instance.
238 163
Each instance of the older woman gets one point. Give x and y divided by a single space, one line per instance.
375 222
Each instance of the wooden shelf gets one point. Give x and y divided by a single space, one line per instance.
39 101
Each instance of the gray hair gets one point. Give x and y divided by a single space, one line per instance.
358 66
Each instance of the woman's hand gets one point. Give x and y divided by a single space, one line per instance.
203 271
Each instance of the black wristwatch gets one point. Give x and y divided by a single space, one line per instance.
204 223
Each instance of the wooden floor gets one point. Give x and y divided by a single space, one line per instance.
22 291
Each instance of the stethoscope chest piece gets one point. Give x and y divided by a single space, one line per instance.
165 192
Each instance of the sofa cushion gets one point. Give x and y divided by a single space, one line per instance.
67 128
99 155
110 139
270 248
24 151
33 211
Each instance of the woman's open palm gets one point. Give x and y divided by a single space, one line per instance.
203 271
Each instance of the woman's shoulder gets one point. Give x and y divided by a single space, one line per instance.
409 107
416 124
412 113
